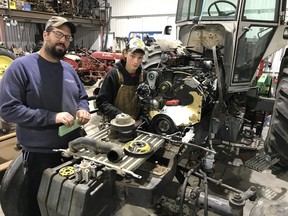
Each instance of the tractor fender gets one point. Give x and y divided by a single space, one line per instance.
71 62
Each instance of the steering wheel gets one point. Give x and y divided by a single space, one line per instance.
221 13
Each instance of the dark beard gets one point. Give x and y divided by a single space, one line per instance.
56 53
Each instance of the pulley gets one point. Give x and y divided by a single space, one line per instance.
122 121
122 128
163 124
138 147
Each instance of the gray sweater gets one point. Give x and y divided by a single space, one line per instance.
32 91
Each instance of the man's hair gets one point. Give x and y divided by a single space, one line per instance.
49 29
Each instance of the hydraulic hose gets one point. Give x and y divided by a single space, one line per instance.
206 192
182 196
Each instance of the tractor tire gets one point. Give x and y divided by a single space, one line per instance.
13 191
152 58
96 91
6 58
86 80
276 142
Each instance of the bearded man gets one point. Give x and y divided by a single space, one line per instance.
40 93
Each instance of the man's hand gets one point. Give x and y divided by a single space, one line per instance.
64 118
83 116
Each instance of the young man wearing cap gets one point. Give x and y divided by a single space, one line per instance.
40 93
118 91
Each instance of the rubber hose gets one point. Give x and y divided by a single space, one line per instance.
114 152
205 192
182 196
83 142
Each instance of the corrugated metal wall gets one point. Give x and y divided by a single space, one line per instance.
87 37
140 7
122 26
137 15
127 16
21 35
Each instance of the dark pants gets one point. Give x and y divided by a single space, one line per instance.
37 163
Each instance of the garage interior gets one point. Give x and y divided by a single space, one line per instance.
271 184
242 176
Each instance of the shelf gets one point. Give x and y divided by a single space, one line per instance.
42 17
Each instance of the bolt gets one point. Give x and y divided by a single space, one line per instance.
237 197
193 195
253 188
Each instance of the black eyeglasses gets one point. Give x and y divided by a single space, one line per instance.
60 35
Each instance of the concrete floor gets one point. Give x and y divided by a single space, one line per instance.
270 185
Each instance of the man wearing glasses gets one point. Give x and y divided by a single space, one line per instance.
40 93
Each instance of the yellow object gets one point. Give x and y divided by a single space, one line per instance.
5 61
12 5
67 171
138 147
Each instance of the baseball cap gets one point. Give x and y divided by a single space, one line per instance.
56 21
136 44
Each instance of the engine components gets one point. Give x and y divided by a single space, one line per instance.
114 152
151 79
122 128
85 170
66 171
98 150
143 91
191 86
163 124
90 184
138 147
83 193
232 207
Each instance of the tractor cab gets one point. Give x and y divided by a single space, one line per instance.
243 31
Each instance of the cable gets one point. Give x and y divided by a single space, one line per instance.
183 191
206 192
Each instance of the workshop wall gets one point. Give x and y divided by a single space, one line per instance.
87 38
21 35
143 8
26 35
126 16
137 15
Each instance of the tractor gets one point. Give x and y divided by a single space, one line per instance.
6 57
212 72
92 66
